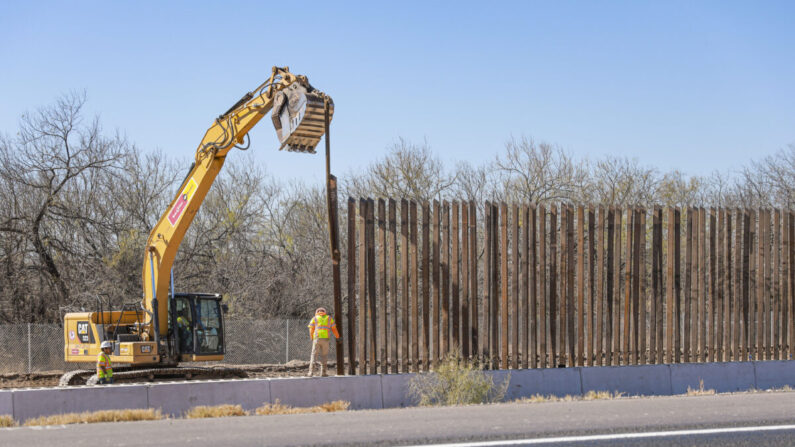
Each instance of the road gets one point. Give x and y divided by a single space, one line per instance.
605 422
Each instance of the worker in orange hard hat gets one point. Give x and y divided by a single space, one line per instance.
319 329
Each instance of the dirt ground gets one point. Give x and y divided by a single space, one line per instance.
294 368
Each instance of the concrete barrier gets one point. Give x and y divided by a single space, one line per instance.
721 377
46 401
774 374
395 390
389 391
363 392
6 403
646 380
176 398
528 382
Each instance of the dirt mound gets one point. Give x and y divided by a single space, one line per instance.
32 380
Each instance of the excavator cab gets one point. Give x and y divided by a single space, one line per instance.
197 326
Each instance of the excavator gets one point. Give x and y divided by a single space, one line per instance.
153 337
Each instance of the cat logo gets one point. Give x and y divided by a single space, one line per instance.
84 332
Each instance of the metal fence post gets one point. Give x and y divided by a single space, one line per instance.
30 359
287 349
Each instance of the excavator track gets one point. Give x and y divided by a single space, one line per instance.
76 377
123 375
80 376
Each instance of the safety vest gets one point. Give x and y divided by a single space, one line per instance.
182 321
104 360
323 325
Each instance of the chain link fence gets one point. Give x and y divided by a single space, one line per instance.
27 348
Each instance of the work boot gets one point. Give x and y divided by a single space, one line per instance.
323 372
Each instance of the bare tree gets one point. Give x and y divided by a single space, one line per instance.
622 181
473 182
408 171
678 189
52 151
539 172
771 180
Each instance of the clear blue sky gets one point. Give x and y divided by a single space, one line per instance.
696 86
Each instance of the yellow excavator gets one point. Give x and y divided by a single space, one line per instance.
167 328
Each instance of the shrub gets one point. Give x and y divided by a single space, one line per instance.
456 381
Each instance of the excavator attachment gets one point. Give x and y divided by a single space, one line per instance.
299 117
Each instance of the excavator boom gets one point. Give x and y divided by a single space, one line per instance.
298 118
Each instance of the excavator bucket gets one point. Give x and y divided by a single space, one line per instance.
299 117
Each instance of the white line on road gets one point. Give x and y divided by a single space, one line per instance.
617 436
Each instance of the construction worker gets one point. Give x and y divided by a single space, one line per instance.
185 334
319 329
104 367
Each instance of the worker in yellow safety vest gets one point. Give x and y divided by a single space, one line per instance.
319 329
185 331
104 367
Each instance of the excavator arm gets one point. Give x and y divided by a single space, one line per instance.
297 113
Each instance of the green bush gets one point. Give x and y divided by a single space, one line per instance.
456 381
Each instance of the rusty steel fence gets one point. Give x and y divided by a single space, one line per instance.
526 286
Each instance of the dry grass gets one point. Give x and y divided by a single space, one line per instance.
700 391
218 411
278 408
538 398
590 395
7 421
97 416
598 395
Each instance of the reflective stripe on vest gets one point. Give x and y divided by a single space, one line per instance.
322 328
104 360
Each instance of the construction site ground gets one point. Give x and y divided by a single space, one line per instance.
294 368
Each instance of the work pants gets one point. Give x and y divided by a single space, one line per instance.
319 353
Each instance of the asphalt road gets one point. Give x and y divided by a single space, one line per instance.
624 422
